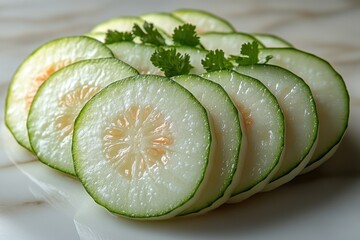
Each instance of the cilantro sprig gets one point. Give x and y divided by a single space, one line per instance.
171 62
249 55
113 36
216 60
149 34
186 35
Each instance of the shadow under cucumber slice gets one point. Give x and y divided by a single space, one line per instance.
58 102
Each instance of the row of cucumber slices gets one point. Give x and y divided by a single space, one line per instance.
148 146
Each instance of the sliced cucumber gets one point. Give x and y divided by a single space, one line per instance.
121 24
230 43
58 102
131 152
263 127
301 122
228 160
204 21
139 55
330 94
136 55
165 21
196 55
36 69
272 41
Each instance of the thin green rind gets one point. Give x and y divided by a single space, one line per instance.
264 70
220 40
53 83
192 16
23 140
162 214
203 206
271 41
285 54
117 24
162 19
259 184
136 55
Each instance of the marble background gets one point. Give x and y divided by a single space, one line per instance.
39 203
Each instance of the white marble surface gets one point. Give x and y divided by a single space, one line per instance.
39 203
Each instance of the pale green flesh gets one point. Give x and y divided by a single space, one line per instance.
204 21
196 55
301 123
228 162
165 21
121 24
139 55
136 55
230 43
58 102
263 129
165 188
329 92
271 41
38 65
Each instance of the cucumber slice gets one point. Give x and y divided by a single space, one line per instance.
58 102
36 69
263 128
272 41
204 21
136 55
295 99
330 94
196 55
228 160
121 24
165 21
131 152
230 43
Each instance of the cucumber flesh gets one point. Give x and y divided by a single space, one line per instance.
228 160
165 21
58 102
196 55
263 123
121 24
131 152
204 21
36 69
330 94
230 43
295 99
136 55
272 41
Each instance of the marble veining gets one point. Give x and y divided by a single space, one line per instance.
39 203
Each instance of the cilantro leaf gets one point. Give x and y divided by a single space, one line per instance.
186 35
215 60
116 36
149 35
249 55
171 62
